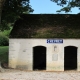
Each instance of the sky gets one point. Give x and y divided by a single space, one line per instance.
48 7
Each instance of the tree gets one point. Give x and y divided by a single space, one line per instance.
69 4
12 9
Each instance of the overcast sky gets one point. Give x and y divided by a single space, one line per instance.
48 7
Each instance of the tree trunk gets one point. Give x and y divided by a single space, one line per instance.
1 7
0 17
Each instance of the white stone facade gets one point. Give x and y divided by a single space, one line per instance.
21 53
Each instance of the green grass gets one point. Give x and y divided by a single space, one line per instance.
4 50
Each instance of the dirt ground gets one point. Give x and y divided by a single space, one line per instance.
13 74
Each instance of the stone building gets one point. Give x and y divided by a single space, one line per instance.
48 42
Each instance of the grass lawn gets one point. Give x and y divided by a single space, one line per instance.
4 50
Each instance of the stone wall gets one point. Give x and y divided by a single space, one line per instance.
21 53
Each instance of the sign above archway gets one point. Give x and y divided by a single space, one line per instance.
54 41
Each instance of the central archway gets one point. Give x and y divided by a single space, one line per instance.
39 58
70 58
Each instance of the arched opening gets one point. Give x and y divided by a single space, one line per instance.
70 58
39 58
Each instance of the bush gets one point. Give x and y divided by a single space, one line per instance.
4 26
6 32
4 41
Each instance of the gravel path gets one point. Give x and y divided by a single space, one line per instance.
12 74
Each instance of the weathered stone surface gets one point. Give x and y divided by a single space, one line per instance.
22 56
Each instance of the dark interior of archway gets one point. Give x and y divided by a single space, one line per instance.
70 58
39 58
